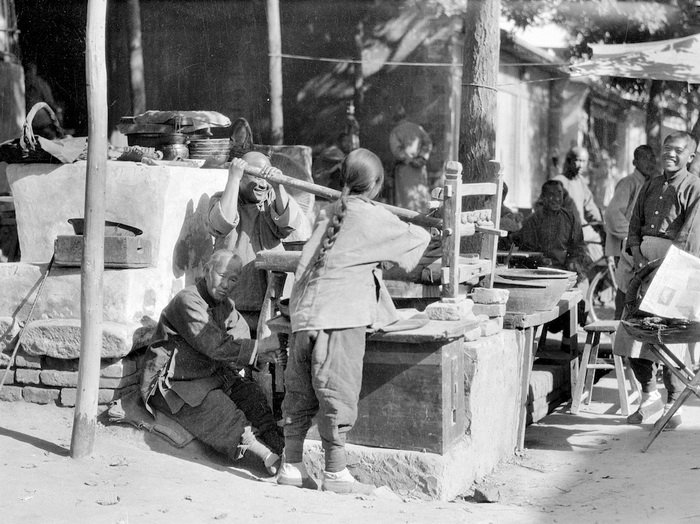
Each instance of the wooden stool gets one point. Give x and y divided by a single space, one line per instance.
589 363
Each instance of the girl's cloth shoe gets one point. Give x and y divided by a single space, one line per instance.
675 421
295 475
343 482
647 409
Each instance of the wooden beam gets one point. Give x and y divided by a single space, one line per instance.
483 188
274 36
407 215
137 75
85 415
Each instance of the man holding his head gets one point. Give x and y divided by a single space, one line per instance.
191 368
252 214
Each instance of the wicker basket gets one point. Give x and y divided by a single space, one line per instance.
26 149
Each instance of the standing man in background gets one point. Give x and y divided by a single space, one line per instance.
617 218
577 188
411 146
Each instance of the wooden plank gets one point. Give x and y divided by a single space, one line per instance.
281 261
480 188
433 331
489 246
517 320
452 209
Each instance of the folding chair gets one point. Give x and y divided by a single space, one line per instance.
658 340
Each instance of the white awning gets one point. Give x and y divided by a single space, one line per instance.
677 59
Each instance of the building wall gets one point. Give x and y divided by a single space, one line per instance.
522 130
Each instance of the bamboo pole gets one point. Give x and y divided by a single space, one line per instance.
274 35
136 70
85 416
332 194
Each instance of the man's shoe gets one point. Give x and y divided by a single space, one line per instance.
343 483
648 408
295 475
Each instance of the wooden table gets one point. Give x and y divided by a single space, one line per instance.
527 324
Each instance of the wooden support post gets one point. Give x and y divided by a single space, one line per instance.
274 35
452 210
85 416
136 69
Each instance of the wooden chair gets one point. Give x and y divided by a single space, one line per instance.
458 224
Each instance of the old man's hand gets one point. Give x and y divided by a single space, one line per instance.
273 356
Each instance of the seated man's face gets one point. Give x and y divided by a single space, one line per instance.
553 198
222 277
253 190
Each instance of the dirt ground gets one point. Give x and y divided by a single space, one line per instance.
574 469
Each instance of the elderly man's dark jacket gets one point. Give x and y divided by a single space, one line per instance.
196 343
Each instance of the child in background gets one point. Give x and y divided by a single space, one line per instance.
338 294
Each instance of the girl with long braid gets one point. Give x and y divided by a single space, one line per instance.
337 296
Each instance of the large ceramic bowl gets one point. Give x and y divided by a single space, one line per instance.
530 296
535 275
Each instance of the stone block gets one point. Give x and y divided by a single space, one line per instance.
11 393
8 333
104 396
491 326
23 360
10 378
68 379
40 395
490 310
120 382
52 377
461 310
61 364
472 334
482 295
27 376
122 367
60 338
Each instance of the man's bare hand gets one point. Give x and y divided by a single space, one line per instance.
273 356
235 170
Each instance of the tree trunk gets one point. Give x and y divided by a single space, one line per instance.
655 116
274 35
136 69
477 130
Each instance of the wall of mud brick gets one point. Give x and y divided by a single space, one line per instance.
49 380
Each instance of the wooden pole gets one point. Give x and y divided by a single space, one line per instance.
85 416
406 215
136 69
274 35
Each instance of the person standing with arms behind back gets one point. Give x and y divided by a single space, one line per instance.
577 188
617 217
338 294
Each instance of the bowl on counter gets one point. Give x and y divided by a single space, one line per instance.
529 295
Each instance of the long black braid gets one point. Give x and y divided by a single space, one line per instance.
361 174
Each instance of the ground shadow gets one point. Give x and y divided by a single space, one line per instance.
37 442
